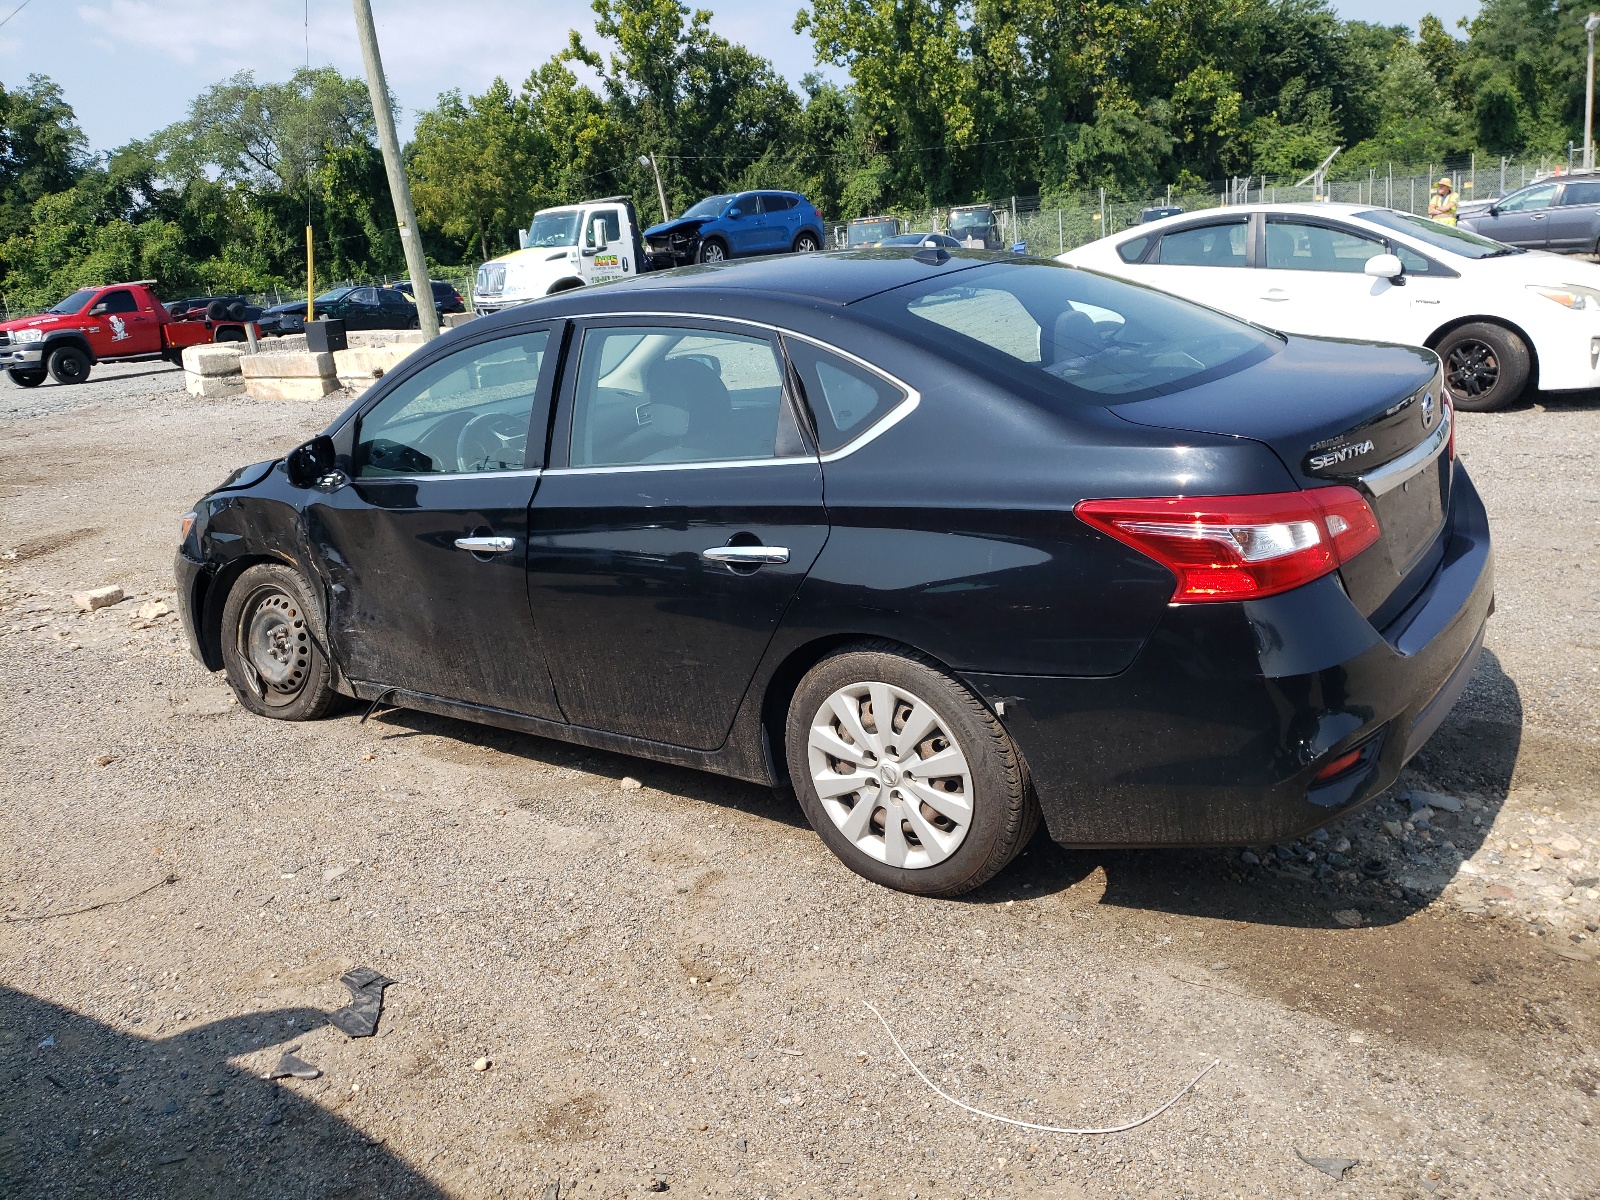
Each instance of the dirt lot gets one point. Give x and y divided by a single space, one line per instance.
669 981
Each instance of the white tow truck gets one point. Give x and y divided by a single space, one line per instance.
566 247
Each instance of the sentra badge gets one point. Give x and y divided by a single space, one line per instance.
1340 454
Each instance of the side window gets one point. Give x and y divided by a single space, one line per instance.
664 394
393 300
366 297
613 227
470 411
1413 262
1293 246
845 399
119 302
1132 250
1528 201
1585 192
1219 245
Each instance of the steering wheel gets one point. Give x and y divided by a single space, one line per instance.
492 441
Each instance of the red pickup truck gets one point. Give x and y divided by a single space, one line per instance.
102 324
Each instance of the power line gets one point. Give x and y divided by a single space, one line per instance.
25 4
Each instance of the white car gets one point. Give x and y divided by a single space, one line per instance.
1500 318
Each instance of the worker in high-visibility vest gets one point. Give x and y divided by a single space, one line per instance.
1442 204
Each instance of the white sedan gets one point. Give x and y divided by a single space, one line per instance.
1498 317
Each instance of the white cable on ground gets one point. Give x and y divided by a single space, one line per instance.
1029 1124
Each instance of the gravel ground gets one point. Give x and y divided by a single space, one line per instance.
668 981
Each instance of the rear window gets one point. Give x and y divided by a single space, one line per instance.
1088 338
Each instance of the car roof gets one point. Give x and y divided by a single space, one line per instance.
826 277
1234 211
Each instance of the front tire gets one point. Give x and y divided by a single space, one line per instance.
807 243
69 365
27 379
1485 366
932 798
273 648
712 250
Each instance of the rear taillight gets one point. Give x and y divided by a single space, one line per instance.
1241 547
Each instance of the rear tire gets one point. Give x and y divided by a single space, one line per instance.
69 365
712 250
938 831
807 243
27 379
1485 366
273 647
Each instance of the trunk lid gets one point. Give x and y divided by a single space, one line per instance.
1369 416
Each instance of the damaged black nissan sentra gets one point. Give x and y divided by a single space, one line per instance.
947 542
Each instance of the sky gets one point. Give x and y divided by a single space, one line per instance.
130 67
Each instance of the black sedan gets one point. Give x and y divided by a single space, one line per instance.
357 307
445 297
949 542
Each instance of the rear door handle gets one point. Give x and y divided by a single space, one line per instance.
744 556
486 545
1276 295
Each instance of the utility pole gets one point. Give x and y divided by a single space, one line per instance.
649 160
1589 27
405 214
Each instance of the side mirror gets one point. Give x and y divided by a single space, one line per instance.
99 310
1385 266
735 213
310 462
1494 210
522 239
597 232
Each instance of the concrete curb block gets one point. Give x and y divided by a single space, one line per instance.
358 366
289 376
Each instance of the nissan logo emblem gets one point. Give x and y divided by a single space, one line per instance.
1427 409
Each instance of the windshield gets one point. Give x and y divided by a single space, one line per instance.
552 229
869 231
330 297
711 206
1079 334
74 303
971 220
1444 237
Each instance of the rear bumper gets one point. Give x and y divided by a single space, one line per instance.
1215 733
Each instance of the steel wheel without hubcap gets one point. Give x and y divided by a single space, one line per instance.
275 642
1472 368
890 776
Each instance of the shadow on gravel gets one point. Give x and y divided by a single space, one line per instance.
1300 884
100 1113
699 786
1474 753
1557 402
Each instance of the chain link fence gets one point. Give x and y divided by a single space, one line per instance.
1059 222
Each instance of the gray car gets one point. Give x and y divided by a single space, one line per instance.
1562 215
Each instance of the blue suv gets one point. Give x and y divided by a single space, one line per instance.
735 225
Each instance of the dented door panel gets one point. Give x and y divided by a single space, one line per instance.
409 609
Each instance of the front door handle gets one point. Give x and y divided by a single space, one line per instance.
745 556
486 545
1276 295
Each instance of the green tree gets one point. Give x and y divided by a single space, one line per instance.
42 150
